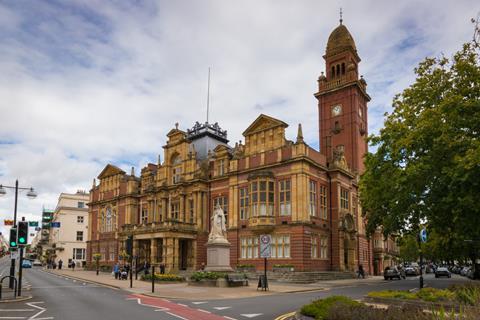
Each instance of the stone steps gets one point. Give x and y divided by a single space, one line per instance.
304 277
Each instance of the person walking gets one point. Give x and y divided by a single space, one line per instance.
361 272
60 263
73 265
116 270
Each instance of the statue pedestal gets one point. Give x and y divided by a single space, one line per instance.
218 256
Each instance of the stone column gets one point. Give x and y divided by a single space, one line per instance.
164 208
181 215
176 254
136 250
153 251
168 257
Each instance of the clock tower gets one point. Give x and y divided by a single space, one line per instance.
342 102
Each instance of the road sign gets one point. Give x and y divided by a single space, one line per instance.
8 222
265 248
38 228
55 224
14 255
33 223
423 235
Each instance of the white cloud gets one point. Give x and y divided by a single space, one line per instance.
87 83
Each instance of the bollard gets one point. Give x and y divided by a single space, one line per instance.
153 279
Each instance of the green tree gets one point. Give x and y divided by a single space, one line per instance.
426 168
408 248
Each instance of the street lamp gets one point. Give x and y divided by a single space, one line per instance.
31 194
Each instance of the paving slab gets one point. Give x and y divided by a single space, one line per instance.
184 291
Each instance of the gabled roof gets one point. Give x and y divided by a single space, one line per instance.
110 170
264 122
174 132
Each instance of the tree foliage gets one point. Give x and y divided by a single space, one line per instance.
426 168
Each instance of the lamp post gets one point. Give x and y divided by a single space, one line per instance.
31 194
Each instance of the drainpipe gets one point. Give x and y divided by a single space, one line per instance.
331 222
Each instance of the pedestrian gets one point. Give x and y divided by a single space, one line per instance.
60 263
73 265
361 272
116 270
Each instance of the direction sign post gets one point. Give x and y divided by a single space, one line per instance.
422 237
265 252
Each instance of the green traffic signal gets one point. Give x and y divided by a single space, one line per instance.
21 240
13 244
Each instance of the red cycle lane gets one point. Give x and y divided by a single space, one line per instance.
184 312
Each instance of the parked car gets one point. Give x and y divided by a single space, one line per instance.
411 271
37 263
391 273
464 271
442 272
26 264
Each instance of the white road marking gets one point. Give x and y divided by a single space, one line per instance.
176 315
251 315
204 310
221 308
181 304
230 318
139 301
200 302
42 310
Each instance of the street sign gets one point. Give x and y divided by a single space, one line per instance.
8 222
38 228
265 248
33 223
423 235
55 224
14 255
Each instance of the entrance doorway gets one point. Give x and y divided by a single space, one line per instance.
184 248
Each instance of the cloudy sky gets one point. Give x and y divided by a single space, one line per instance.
86 83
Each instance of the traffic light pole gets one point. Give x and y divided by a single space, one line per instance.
12 265
19 286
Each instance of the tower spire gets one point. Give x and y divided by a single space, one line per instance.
341 15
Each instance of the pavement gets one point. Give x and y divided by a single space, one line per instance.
183 291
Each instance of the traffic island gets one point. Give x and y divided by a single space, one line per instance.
456 302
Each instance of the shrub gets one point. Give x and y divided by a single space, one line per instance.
434 295
163 277
392 294
200 275
468 294
283 265
363 312
319 309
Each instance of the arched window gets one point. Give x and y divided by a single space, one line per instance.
114 220
108 220
338 70
333 71
343 67
101 222
176 168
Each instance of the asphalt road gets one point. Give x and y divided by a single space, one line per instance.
56 297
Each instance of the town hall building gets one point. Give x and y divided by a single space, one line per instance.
306 199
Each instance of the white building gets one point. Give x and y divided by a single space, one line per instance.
68 231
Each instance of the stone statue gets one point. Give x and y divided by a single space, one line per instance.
218 231
339 160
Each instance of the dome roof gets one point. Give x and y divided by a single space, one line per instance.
340 40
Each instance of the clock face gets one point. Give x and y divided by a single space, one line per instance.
336 110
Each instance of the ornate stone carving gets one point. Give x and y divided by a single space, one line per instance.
339 160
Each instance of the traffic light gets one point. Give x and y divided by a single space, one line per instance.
22 237
13 239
